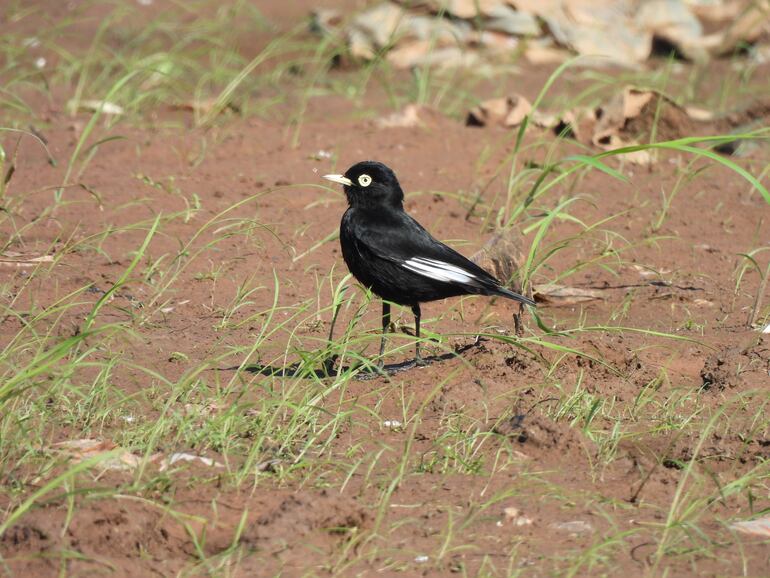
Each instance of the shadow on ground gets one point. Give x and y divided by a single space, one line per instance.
328 367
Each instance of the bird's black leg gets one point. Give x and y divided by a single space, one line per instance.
517 325
328 362
385 329
418 360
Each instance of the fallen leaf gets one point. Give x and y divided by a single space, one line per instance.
378 24
505 19
617 32
699 114
96 105
614 115
508 111
325 20
573 527
204 106
410 116
166 463
11 259
649 272
672 20
512 515
563 295
703 303
494 41
83 449
545 53
758 527
601 31
425 53
501 256
715 10
634 112
464 8
745 29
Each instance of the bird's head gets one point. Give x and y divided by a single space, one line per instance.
370 184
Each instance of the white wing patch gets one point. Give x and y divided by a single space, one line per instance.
438 270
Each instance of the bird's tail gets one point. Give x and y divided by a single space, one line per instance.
503 292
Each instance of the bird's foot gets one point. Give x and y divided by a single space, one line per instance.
420 362
374 371
380 369
327 365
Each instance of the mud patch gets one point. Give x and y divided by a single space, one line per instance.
738 367
127 534
537 434
323 515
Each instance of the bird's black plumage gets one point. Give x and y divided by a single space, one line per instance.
391 253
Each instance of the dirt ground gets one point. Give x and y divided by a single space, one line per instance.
626 439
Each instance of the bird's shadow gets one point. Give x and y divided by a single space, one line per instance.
328 367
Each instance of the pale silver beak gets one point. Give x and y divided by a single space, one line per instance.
343 180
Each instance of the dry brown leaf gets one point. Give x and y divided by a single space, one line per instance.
538 53
641 157
573 527
505 19
615 114
615 129
634 101
325 20
103 106
703 303
494 41
649 272
545 119
83 449
567 124
602 31
463 8
518 109
204 106
699 114
379 23
166 463
715 10
673 21
501 256
424 53
360 45
410 116
758 527
409 54
746 28
507 111
563 295
13 259
513 516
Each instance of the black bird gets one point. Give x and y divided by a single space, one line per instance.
392 254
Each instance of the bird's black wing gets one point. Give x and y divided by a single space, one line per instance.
398 238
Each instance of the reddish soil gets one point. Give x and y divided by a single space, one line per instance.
682 282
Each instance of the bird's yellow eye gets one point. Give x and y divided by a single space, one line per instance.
364 180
